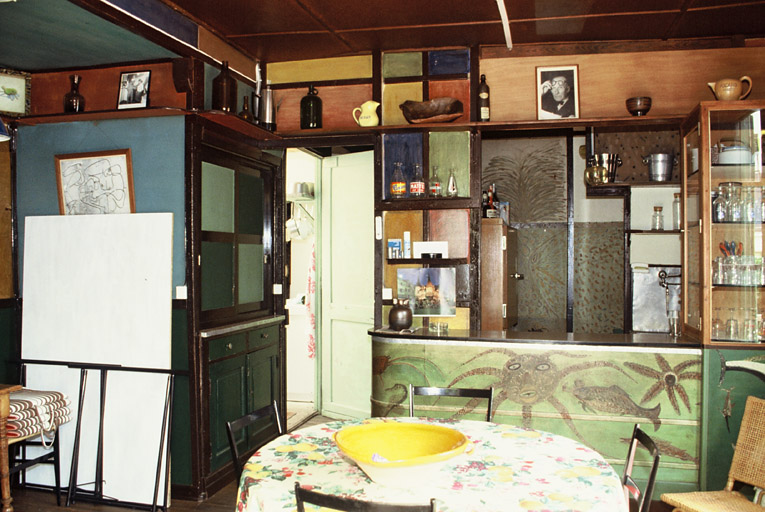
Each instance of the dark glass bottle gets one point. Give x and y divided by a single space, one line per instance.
245 113
310 109
483 100
224 90
73 100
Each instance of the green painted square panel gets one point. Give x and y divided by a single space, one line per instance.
402 64
250 204
217 198
451 151
250 273
217 275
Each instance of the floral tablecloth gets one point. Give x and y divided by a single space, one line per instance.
509 468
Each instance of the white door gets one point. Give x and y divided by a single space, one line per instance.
346 280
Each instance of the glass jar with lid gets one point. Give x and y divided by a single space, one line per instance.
657 221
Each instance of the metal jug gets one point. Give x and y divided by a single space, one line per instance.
267 115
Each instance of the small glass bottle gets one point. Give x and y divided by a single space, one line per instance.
719 206
397 182
73 100
245 113
451 187
436 188
676 213
417 185
657 221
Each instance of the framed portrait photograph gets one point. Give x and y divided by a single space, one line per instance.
134 89
95 183
431 291
15 92
558 92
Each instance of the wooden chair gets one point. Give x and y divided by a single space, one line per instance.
19 461
631 488
303 495
748 467
237 425
462 392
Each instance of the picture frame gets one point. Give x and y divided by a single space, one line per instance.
431 291
15 92
557 92
134 90
99 182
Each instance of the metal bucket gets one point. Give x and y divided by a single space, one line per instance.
611 162
660 166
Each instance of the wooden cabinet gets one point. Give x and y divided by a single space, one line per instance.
243 378
499 299
724 226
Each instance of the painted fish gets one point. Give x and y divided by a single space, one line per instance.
614 399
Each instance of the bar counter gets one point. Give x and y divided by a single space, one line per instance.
589 387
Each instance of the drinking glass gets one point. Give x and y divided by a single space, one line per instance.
717 324
731 325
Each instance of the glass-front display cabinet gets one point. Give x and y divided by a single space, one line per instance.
724 221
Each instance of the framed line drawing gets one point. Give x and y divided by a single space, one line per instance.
558 92
100 182
134 90
15 92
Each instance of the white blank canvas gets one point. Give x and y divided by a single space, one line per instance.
98 289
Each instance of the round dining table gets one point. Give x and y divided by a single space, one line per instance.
508 468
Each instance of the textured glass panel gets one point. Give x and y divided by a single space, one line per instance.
447 62
400 147
217 198
402 64
250 205
393 96
250 273
451 150
217 275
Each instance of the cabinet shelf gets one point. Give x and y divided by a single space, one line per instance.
654 231
429 203
433 262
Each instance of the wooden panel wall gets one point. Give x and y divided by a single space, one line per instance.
6 265
337 104
676 80
100 88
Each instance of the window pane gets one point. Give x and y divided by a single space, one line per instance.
217 275
250 205
217 198
250 273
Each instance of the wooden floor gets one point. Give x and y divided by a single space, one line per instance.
25 500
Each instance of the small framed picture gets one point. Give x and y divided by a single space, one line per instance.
15 92
557 92
134 90
95 183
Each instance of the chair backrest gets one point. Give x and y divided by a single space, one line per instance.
748 465
303 495
239 424
631 489
462 392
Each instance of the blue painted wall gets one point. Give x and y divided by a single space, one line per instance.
157 145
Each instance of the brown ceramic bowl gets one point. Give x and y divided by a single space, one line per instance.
639 105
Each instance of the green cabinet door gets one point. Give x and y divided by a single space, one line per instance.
263 385
228 401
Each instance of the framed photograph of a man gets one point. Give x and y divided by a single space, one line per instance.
558 92
134 90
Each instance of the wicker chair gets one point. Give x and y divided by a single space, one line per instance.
461 392
748 467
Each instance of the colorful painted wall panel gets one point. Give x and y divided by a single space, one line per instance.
400 147
451 151
337 104
452 226
449 62
338 68
592 394
402 64
393 96
459 89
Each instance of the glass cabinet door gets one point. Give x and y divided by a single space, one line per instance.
737 216
693 241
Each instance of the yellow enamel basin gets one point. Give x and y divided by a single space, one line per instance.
400 454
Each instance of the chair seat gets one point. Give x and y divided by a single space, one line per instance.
711 501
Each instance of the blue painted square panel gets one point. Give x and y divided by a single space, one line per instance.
449 62
400 147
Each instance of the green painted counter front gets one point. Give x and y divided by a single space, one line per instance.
592 393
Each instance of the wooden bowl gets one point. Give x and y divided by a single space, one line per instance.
437 110
639 105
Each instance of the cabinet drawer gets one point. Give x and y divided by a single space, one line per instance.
265 336
226 346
